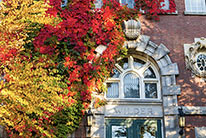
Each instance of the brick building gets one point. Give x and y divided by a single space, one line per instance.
164 72
172 53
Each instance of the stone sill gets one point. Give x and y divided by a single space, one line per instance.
195 13
134 101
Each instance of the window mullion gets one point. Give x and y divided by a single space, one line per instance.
142 89
121 89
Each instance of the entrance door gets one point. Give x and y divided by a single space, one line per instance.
133 128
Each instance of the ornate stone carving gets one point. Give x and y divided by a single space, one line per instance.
195 57
132 29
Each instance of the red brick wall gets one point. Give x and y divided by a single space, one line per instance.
174 31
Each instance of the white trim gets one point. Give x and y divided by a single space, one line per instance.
195 7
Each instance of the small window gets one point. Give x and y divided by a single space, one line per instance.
98 4
201 62
129 3
165 5
64 3
195 6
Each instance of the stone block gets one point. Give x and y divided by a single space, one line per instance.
164 61
170 100
99 110
171 90
160 52
141 45
171 69
171 122
148 52
131 44
172 110
97 132
168 80
172 133
98 120
200 132
151 47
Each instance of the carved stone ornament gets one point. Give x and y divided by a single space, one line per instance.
195 57
132 29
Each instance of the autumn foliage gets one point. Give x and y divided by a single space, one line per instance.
49 65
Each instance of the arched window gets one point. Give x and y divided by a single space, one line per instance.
133 78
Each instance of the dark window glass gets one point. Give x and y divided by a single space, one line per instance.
123 63
149 73
150 90
138 63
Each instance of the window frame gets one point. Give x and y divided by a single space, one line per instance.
194 12
142 80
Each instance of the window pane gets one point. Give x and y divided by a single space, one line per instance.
115 73
64 3
149 129
119 132
138 63
113 90
195 5
165 5
130 3
98 4
201 62
131 86
123 63
150 90
149 73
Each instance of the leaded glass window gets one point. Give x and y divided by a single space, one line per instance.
113 90
133 78
131 86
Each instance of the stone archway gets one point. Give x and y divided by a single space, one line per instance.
170 90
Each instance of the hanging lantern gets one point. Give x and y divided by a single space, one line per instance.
181 120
